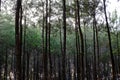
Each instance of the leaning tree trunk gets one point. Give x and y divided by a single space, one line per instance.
110 44
82 40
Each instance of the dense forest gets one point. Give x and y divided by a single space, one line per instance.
59 40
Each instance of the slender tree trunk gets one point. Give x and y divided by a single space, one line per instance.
0 54
110 44
37 66
94 43
21 34
79 73
74 75
98 53
61 49
17 39
46 45
6 65
117 36
0 67
43 37
64 42
85 43
34 66
59 68
54 63
69 69
49 51
77 46
24 51
27 71
94 60
82 40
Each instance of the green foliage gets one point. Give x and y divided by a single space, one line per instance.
33 38
7 32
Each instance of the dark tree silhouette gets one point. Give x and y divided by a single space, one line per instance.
64 42
17 38
49 51
94 41
46 45
81 41
110 44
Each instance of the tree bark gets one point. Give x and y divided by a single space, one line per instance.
49 33
24 51
46 45
82 40
17 39
98 53
6 65
64 42
94 43
43 41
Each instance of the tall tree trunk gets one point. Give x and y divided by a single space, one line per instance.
59 68
61 50
75 70
49 51
118 53
46 45
24 51
69 69
21 34
0 67
77 46
55 70
27 70
94 43
34 66
6 65
43 32
17 39
82 40
64 42
117 36
98 53
78 55
85 43
37 66
110 44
